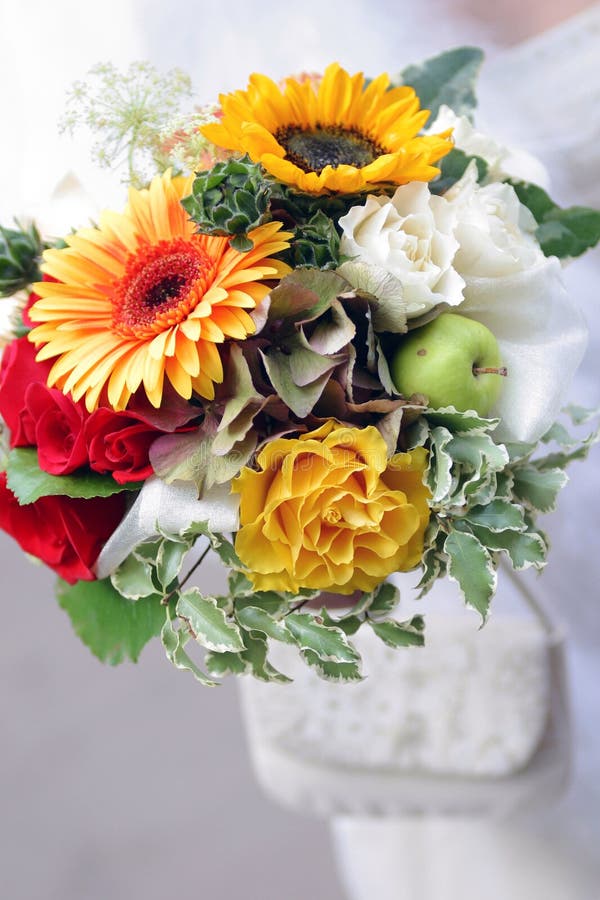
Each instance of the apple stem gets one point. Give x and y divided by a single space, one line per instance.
477 370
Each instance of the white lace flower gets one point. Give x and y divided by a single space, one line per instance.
411 236
495 232
504 162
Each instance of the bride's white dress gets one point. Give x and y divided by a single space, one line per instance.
542 95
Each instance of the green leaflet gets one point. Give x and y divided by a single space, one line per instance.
349 624
174 641
537 488
133 579
113 628
300 399
20 251
448 79
329 644
470 565
385 598
453 166
305 294
28 482
561 232
330 670
439 471
497 516
221 664
208 623
255 655
460 422
400 634
524 548
252 618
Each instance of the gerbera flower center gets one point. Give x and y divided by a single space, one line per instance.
329 145
162 283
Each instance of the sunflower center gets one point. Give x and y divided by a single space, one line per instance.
330 145
161 285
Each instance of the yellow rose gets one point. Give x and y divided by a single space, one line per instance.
329 511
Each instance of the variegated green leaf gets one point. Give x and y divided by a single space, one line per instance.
255 654
349 624
385 599
439 471
400 634
538 489
497 516
169 561
133 579
221 664
251 618
329 644
333 671
208 623
471 566
174 641
524 549
460 422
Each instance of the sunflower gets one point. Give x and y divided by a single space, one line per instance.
142 297
339 136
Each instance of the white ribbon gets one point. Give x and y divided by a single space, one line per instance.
168 507
542 337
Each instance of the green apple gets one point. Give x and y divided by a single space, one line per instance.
453 360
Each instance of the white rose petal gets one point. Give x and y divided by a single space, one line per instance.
496 233
504 162
411 236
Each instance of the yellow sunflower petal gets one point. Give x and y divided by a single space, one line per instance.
323 140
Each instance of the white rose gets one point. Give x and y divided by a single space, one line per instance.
504 162
411 236
496 233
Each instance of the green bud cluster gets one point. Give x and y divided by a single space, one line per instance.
20 250
231 199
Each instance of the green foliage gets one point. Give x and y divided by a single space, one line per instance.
471 566
565 233
127 111
453 166
174 640
111 626
316 243
230 199
20 252
446 79
485 497
400 634
208 623
28 482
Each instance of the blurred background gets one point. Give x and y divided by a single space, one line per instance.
135 782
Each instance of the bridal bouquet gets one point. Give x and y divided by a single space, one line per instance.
327 338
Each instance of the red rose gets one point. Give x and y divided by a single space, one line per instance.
118 442
39 416
67 534
18 371
58 429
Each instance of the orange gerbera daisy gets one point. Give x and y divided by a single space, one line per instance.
142 296
334 135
